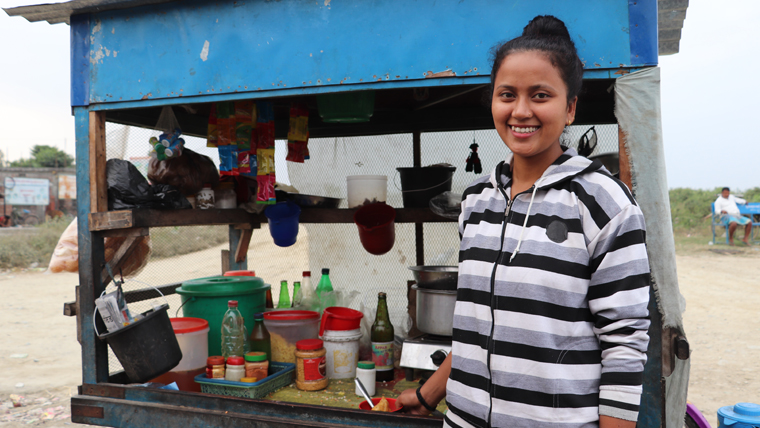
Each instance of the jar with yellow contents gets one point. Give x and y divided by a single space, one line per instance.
311 367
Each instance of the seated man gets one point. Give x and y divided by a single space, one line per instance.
725 206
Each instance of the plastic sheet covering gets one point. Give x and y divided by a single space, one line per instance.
637 108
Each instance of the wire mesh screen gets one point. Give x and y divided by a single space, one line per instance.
183 253
189 252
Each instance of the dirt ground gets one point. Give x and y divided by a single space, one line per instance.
41 362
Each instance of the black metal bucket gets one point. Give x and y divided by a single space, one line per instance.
146 348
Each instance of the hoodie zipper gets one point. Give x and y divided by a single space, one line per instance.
507 217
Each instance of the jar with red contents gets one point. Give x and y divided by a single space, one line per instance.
215 367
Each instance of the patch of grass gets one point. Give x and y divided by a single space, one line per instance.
22 248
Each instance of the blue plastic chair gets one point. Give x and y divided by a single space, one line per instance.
716 222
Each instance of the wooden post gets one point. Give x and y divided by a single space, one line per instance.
625 163
419 232
91 252
98 184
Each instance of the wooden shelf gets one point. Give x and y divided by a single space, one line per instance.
127 220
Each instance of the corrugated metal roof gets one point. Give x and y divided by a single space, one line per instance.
670 19
55 13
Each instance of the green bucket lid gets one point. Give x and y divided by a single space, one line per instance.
220 286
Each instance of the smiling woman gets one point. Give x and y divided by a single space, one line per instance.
550 324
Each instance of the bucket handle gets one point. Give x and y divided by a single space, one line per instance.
419 190
325 316
95 312
183 304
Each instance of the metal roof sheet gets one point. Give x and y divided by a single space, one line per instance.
670 18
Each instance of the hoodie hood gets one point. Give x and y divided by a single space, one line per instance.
568 166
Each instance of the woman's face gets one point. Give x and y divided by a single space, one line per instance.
529 105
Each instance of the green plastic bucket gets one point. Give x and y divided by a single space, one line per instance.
207 298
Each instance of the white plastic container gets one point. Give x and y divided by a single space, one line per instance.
364 189
365 371
192 335
342 348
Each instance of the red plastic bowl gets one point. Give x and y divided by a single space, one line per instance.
391 403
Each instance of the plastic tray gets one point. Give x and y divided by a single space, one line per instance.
281 376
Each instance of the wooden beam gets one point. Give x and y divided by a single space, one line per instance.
625 163
98 184
126 250
242 247
133 231
132 219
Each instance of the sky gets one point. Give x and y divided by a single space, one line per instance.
710 95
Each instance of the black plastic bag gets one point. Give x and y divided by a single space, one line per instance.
128 189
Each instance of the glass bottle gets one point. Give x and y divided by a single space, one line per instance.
259 339
325 286
296 296
381 337
233 331
284 301
269 302
308 295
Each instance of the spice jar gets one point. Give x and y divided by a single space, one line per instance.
215 367
235 369
365 371
256 365
248 380
311 366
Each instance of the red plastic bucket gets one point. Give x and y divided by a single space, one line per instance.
377 230
338 318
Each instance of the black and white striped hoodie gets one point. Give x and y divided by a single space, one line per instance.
562 269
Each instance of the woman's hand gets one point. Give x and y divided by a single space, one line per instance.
432 391
408 399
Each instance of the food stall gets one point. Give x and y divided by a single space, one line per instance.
426 68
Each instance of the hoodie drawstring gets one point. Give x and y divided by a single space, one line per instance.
525 223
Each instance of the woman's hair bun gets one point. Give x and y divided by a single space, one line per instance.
546 26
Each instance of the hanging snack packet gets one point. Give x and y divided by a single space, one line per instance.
299 122
225 113
298 133
226 142
243 130
298 151
265 173
213 132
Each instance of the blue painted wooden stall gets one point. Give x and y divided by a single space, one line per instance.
130 57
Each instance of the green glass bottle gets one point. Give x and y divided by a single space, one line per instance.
324 287
296 296
284 296
381 337
324 283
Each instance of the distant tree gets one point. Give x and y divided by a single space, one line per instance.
45 157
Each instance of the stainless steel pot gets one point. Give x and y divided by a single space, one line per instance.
436 277
435 311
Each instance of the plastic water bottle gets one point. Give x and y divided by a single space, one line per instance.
233 331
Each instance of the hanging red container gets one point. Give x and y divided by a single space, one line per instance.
377 228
